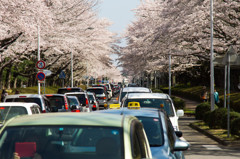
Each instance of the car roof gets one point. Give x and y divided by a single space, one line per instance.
136 89
69 118
18 104
95 88
148 95
23 95
144 112
75 93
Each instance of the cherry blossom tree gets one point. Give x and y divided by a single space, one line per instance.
180 28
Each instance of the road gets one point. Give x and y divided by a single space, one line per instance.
202 147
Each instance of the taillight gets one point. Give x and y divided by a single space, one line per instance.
94 106
87 106
76 110
103 97
65 101
2 107
44 111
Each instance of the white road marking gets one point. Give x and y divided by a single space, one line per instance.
212 147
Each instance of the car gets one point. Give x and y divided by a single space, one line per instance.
156 100
74 136
41 100
12 109
58 102
164 141
105 89
69 89
109 89
93 101
100 95
132 85
83 99
74 103
127 90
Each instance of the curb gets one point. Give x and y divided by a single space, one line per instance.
217 139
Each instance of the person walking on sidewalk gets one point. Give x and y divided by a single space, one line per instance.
216 97
3 95
204 94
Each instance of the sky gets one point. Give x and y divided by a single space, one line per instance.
120 13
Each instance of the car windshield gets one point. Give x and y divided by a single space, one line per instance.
90 97
62 142
81 98
123 94
154 103
153 129
96 91
56 101
73 101
8 112
25 100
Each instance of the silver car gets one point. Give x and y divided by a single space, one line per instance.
100 95
93 101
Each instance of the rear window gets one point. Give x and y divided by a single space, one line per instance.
63 142
96 91
67 90
56 101
8 112
81 98
165 104
25 100
73 101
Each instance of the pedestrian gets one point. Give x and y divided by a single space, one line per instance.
216 97
204 94
3 95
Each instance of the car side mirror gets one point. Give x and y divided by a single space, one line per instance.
178 133
180 113
180 145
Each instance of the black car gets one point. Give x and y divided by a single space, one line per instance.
69 89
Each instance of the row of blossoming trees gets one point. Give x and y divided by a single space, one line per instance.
180 28
65 27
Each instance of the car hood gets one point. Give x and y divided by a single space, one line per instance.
159 153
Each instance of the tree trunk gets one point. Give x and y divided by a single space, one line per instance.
9 79
15 83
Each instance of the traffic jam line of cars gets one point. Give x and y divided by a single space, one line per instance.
142 125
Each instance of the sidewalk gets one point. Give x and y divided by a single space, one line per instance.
191 105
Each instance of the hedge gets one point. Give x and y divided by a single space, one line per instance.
201 109
216 118
235 127
178 103
233 116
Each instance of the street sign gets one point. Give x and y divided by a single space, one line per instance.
62 75
47 72
41 76
40 64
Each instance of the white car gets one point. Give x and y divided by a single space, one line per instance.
128 90
41 100
12 109
156 100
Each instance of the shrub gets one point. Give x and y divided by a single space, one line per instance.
178 102
216 118
207 117
235 127
201 109
233 115
157 91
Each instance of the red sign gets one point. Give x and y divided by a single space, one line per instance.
41 76
40 64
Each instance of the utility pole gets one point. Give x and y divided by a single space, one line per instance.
38 31
71 69
170 77
211 58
